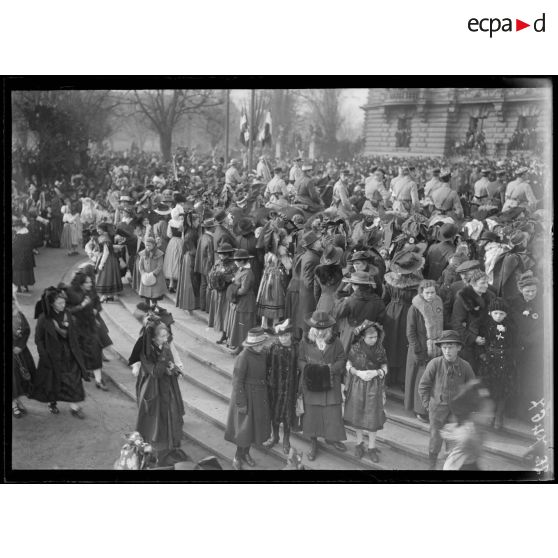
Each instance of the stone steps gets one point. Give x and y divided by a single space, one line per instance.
209 373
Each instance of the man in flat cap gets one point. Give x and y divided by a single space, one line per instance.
433 183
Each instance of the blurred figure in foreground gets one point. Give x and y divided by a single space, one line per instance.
473 410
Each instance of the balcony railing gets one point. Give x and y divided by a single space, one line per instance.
401 96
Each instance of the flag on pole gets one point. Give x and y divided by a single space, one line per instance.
244 133
265 132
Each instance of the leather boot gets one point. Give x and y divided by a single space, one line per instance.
286 443
313 449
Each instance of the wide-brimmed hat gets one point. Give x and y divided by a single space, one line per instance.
220 216
519 238
469 265
406 262
358 257
320 320
449 336
297 158
521 171
242 254
125 199
489 236
360 278
225 248
447 231
256 336
278 169
306 167
332 255
245 226
309 238
209 223
162 209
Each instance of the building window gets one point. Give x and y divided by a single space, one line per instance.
525 136
474 138
403 132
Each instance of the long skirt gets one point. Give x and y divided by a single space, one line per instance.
104 336
66 237
271 294
364 405
291 304
185 296
324 422
136 275
55 228
173 256
62 384
19 385
255 426
75 234
23 277
108 280
413 375
238 324
218 307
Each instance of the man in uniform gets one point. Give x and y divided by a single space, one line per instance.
480 192
276 187
232 180
263 171
519 192
445 200
341 195
296 171
374 186
305 191
433 183
404 191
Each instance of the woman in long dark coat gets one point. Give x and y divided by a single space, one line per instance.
84 305
109 282
23 260
425 323
242 307
246 240
321 362
61 368
528 319
328 276
188 287
23 366
220 277
362 304
470 315
402 283
160 407
249 419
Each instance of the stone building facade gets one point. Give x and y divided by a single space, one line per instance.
450 121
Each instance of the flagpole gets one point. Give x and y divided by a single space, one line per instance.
251 128
227 124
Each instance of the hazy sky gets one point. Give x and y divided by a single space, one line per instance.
354 99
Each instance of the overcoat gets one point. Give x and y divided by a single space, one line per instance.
61 367
468 318
153 264
204 254
437 259
306 299
250 390
20 336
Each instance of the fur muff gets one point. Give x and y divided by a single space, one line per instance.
317 377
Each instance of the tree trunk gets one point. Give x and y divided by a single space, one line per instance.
165 142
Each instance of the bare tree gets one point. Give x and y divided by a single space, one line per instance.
165 108
325 106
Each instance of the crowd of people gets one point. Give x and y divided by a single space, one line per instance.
332 283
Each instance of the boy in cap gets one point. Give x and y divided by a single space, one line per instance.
440 383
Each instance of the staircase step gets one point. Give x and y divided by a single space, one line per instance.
403 435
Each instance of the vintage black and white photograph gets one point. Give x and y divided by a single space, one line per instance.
245 279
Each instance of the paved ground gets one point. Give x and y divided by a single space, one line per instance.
44 441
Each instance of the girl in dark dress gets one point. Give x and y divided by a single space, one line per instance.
188 287
109 282
85 306
160 407
497 362
23 366
61 368
366 368
23 260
